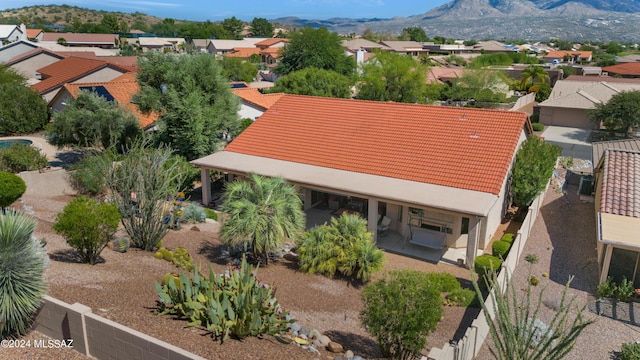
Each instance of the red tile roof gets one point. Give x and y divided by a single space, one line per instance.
558 54
255 97
273 52
122 88
243 52
33 33
455 147
79 38
621 183
68 70
623 69
271 42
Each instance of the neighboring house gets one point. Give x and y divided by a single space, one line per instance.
107 41
441 74
27 63
354 45
222 47
120 90
79 49
201 44
244 53
74 70
617 203
493 47
271 43
443 172
253 102
160 43
626 70
628 58
570 101
413 48
16 48
447 49
35 34
568 56
10 33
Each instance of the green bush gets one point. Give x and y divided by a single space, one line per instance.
537 126
211 214
485 266
22 110
89 175
443 281
22 265
500 249
234 303
621 292
462 297
400 311
192 213
630 351
345 246
21 157
510 238
606 289
535 161
88 226
531 258
11 188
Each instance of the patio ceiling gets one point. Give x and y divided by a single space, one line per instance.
619 231
385 188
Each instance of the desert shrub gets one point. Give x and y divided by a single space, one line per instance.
537 126
345 246
630 351
624 290
462 297
510 238
235 303
485 266
400 311
21 157
533 280
443 281
88 226
531 258
211 214
22 265
606 289
500 249
192 213
88 175
535 161
11 188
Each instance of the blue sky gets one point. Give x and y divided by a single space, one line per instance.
201 10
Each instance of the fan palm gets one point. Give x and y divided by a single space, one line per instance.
533 73
261 213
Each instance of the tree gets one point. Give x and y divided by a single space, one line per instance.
233 26
317 48
516 331
532 169
614 48
10 76
236 69
620 114
315 82
261 27
140 184
261 213
392 77
400 311
11 188
22 110
91 121
193 98
88 225
110 21
22 265
533 73
414 33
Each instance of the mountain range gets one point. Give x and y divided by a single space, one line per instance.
577 20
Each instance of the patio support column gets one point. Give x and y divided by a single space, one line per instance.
472 240
605 263
205 180
307 199
372 221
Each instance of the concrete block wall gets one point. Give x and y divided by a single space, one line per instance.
101 338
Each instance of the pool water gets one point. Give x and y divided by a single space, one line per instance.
5 144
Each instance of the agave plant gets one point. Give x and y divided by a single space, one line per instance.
22 265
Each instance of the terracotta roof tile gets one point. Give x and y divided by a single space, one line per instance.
79 38
122 89
561 53
33 33
623 69
456 147
67 70
256 98
271 42
621 183
243 52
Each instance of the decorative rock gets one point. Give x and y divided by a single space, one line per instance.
304 331
195 228
348 355
314 334
303 336
337 358
317 343
294 327
357 358
324 340
314 350
334 347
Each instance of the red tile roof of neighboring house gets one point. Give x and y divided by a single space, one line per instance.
438 74
68 70
256 98
455 147
621 183
33 33
623 69
79 38
273 52
558 54
122 88
271 42
243 52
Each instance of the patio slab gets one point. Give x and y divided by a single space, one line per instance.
574 142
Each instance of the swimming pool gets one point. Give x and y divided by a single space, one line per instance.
6 143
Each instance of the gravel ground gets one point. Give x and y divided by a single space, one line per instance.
564 239
120 288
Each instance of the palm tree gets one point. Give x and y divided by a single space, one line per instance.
261 213
534 73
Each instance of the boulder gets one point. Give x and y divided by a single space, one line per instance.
294 327
334 347
348 355
324 340
314 334
304 331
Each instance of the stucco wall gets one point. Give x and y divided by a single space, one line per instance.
565 117
29 66
247 111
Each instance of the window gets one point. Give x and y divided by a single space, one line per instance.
464 226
